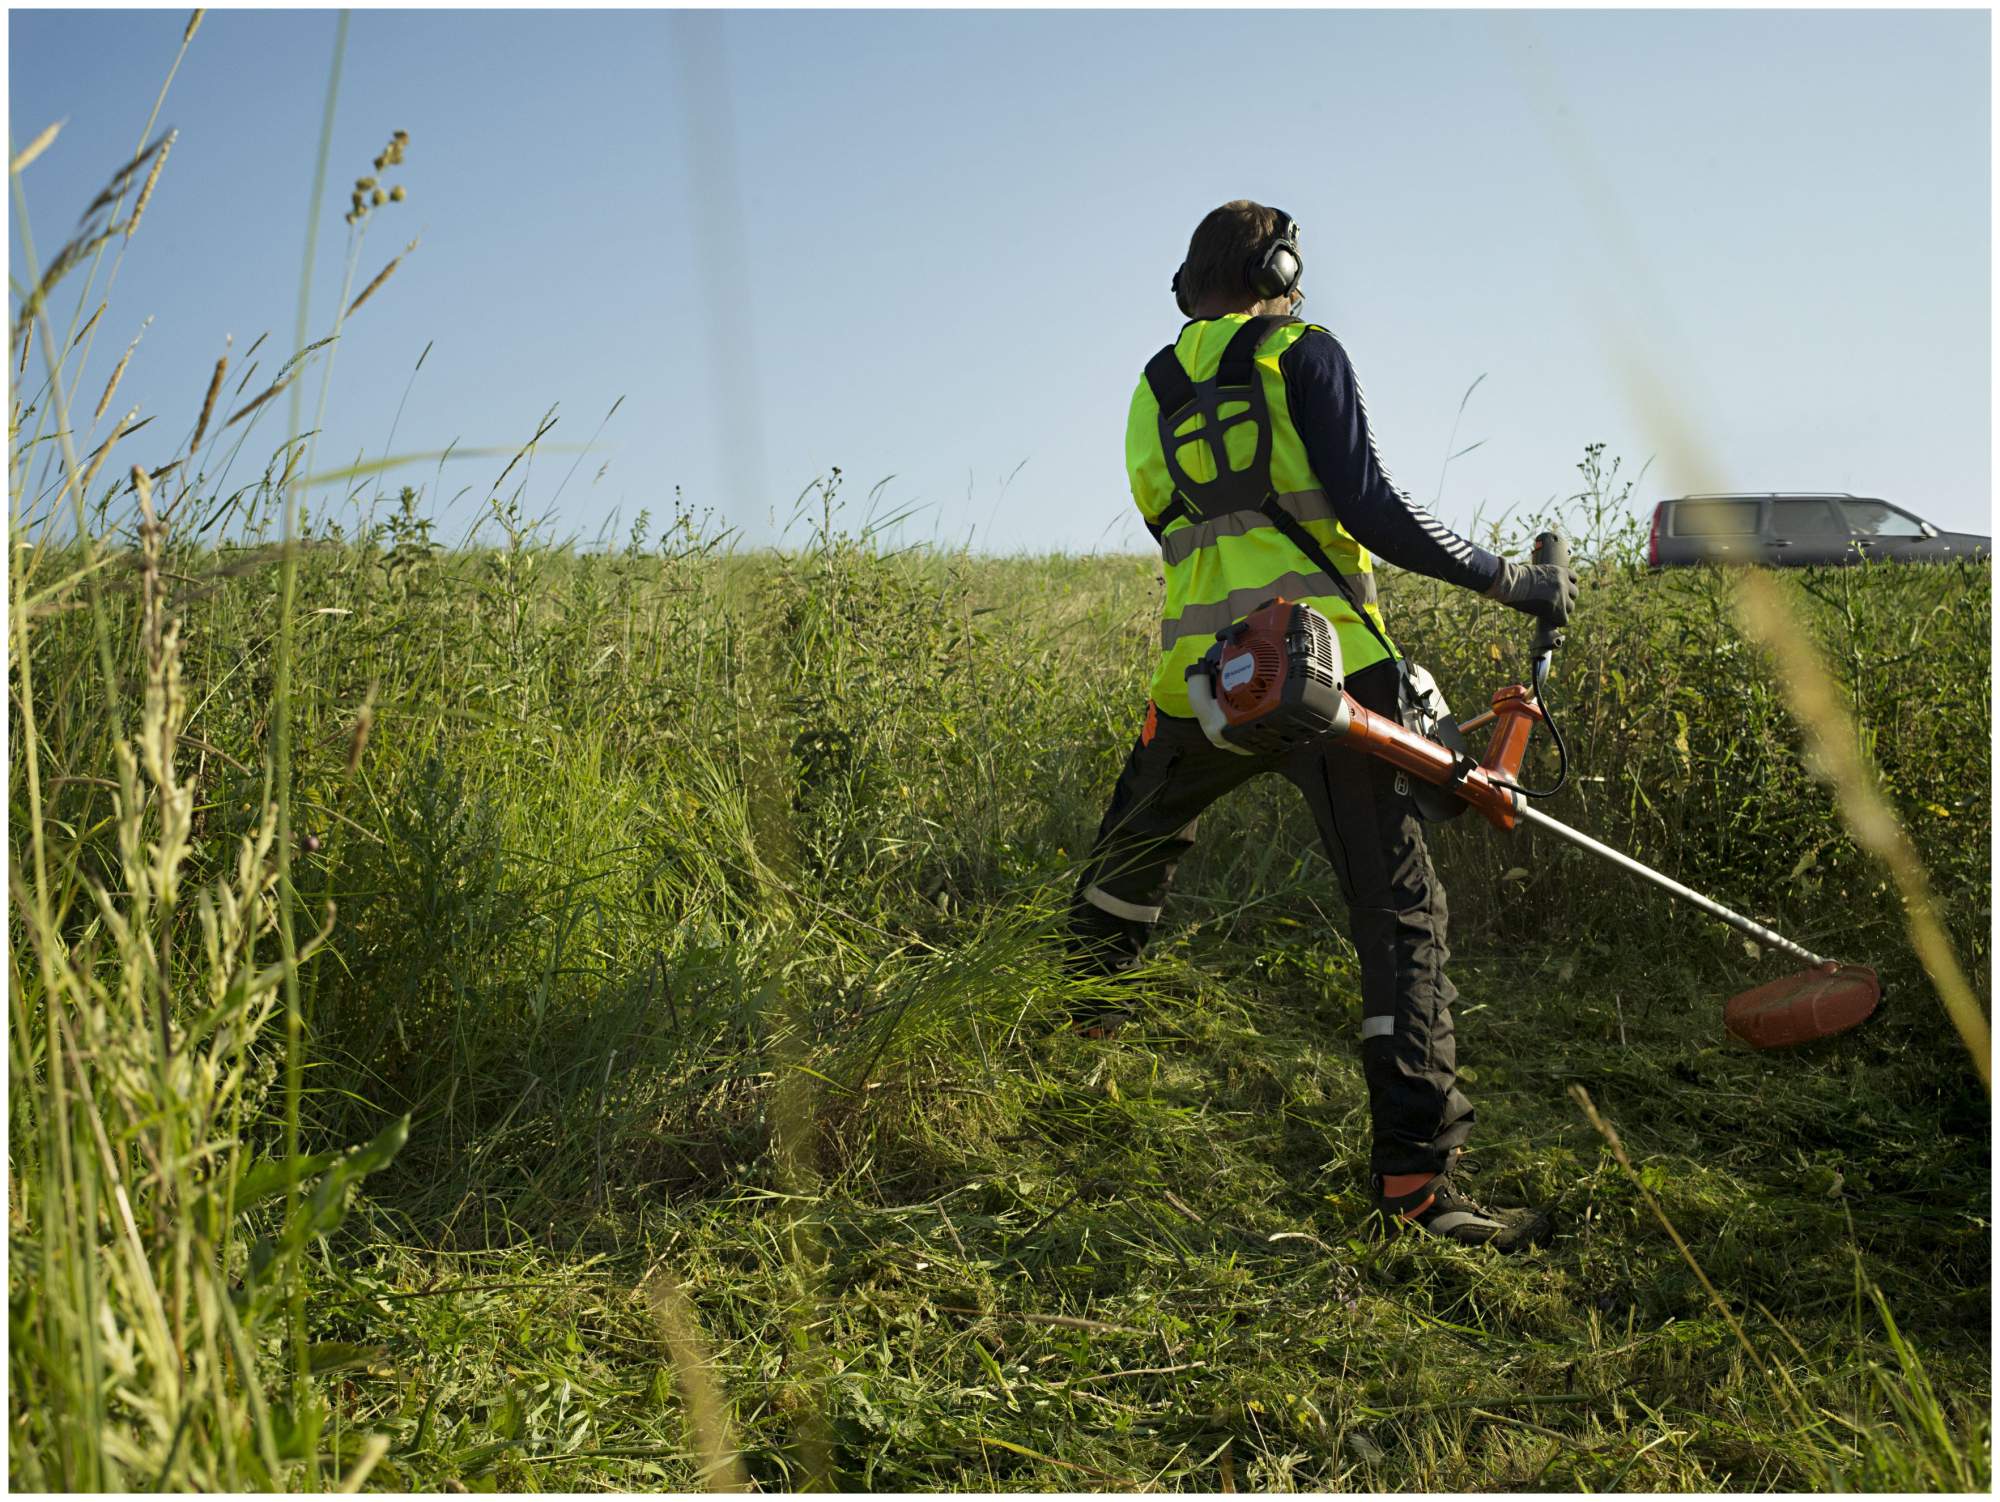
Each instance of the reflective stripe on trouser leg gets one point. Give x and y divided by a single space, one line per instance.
1097 897
1150 824
1409 1056
1397 913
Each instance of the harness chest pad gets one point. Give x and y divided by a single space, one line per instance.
1235 383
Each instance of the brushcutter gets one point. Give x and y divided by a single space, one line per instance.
1274 681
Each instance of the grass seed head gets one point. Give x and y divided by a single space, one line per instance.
364 722
36 147
146 192
380 277
208 402
104 452
118 374
89 324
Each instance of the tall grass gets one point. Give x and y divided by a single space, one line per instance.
684 916
672 1087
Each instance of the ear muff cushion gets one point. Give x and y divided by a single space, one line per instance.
1275 269
1281 272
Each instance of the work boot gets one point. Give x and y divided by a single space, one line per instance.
1442 1208
1100 1021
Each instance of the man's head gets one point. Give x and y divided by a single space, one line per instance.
1224 256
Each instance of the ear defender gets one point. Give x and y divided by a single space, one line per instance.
1274 270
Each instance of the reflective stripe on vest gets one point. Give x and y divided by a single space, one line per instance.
1305 505
1206 620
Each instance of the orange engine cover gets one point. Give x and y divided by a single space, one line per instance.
1275 678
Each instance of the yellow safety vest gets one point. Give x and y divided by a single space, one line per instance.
1219 538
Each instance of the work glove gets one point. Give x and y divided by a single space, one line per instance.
1547 591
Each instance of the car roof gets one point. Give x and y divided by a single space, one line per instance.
1774 495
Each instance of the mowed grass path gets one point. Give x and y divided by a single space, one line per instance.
700 910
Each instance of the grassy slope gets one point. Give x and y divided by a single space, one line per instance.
670 982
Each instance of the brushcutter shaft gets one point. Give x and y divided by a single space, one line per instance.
1737 921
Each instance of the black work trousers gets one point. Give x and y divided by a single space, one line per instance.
1395 904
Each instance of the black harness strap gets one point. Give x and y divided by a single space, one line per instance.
1173 389
1295 533
1238 357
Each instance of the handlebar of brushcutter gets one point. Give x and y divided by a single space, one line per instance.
1549 548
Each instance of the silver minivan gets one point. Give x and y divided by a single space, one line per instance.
1793 529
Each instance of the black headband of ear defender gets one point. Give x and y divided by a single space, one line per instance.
1273 269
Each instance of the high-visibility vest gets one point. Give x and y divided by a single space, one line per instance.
1220 535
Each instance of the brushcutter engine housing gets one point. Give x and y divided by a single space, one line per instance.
1272 682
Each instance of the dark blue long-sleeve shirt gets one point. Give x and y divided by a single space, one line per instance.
1332 422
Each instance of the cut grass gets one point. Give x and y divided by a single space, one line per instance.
1123 1262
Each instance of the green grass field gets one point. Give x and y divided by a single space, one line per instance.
699 910
521 1017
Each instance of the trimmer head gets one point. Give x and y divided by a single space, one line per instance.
1802 1008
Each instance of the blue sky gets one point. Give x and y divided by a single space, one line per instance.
935 246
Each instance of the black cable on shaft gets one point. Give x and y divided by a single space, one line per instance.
1555 734
1549 551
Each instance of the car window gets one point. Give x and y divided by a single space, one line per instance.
1714 518
1873 519
1803 518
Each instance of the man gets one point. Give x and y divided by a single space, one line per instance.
1295 510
